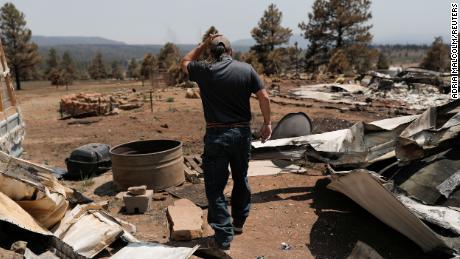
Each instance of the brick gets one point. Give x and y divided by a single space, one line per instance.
137 190
137 203
185 220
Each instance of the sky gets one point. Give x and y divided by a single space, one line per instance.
184 21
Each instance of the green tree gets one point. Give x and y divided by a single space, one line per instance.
133 69
117 71
169 55
295 60
268 34
339 62
437 56
56 76
52 62
97 69
21 53
277 61
148 67
68 69
382 62
251 58
175 75
337 25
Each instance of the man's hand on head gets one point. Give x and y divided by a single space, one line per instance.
195 53
209 39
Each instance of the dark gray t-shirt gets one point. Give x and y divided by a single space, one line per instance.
226 87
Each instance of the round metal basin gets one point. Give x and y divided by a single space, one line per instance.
155 163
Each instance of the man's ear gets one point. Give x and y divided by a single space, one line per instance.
231 52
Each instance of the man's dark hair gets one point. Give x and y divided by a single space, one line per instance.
218 51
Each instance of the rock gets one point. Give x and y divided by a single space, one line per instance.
138 203
185 220
192 94
159 196
137 190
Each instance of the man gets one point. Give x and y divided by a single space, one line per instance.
226 86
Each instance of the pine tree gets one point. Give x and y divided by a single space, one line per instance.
251 58
52 62
437 56
97 69
117 71
268 34
169 55
148 67
337 25
68 68
133 69
294 58
22 54
339 62
382 62
277 61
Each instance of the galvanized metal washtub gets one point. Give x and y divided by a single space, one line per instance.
159 164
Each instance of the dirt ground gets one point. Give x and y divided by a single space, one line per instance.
293 208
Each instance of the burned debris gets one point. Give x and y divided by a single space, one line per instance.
411 90
35 208
403 170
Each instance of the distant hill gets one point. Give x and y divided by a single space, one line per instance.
83 53
72 40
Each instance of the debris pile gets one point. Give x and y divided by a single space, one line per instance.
97 104
403 170
413 89
45 218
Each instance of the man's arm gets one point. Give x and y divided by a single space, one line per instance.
195 53
264 103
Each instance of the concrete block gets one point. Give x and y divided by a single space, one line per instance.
137 203
185 220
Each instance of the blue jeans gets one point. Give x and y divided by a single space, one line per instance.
224 146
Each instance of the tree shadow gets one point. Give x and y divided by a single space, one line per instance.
290 193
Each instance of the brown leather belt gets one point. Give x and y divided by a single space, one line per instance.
227 125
